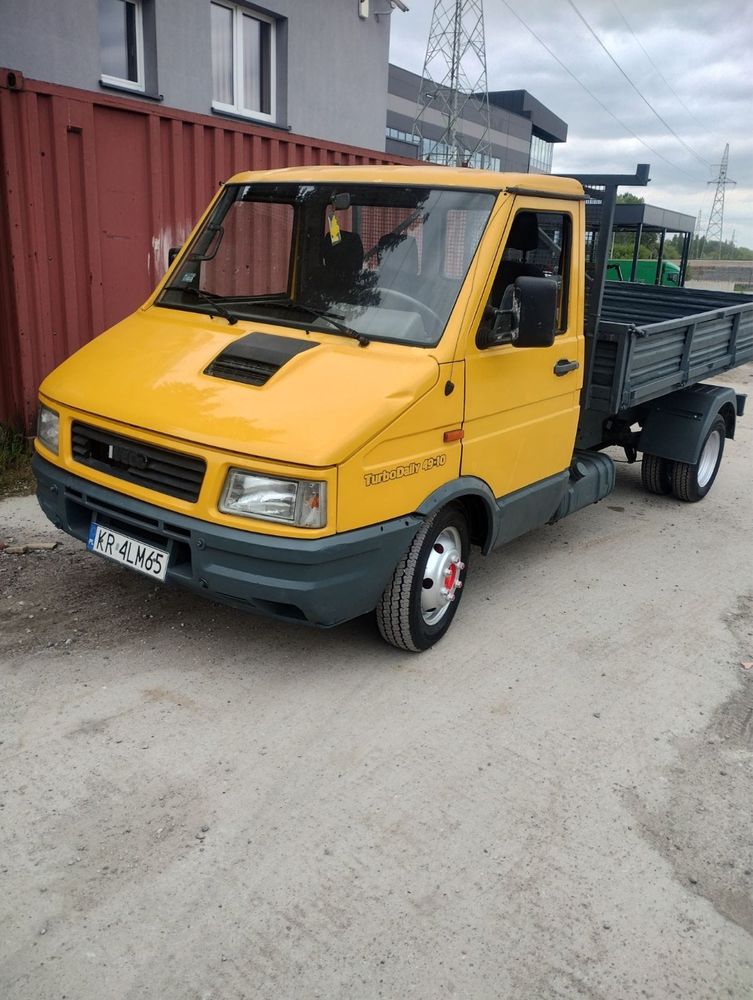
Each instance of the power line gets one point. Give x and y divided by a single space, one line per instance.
601 104
656 68
648 104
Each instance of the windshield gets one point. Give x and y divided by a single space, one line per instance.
370 261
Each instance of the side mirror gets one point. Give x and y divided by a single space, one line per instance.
527 315
172 253
538 312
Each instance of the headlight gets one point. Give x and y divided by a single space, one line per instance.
48 428
294 501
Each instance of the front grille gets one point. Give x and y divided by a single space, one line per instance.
157 469
238 369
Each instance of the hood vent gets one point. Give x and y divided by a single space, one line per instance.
254 359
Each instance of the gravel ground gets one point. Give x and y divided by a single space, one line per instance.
552 803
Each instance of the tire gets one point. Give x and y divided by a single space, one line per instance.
656 474
692 482
419 603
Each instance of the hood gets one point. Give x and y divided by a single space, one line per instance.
182 375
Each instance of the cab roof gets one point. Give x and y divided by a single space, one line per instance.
421 175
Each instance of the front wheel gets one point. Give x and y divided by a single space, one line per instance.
692 482
419 603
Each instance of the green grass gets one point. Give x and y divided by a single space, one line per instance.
15 462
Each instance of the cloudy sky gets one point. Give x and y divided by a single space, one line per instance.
691 62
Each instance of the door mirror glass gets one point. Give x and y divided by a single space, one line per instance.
538 312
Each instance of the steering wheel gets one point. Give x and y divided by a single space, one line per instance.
407 301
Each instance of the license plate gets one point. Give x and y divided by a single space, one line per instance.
127 551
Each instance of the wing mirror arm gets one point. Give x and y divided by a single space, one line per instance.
526 317
505 323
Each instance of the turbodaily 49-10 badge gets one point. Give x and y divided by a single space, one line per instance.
127 551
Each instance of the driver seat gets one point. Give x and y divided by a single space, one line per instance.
342 263
524 237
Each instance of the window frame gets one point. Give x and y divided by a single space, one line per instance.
139 85
238 108
566 256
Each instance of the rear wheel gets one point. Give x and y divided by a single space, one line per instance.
692 482
656 474
420 601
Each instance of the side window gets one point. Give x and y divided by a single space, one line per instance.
538 246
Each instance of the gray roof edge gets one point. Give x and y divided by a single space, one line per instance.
652 217
544 122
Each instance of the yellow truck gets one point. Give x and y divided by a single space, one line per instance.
349 376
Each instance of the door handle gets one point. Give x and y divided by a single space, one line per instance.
564 366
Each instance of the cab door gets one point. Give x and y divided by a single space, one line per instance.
522 404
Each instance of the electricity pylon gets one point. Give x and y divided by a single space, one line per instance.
715 227
454 87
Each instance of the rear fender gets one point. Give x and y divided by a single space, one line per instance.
676 425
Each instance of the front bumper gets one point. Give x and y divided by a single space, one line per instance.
324 581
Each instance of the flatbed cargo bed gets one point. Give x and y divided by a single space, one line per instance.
652 341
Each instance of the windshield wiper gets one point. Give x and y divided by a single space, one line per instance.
334 319
218 308
287 303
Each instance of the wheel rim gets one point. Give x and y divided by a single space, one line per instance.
709 458
441 577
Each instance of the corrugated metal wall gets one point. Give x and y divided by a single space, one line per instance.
94 190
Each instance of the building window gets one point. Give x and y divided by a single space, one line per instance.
400 136
440 152
540 160
243 61
121 35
